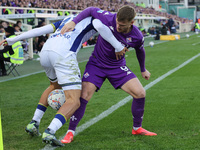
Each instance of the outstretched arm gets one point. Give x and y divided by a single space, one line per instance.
29 34
90 11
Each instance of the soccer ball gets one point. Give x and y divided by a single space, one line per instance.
187 35
56 99
151 44
197 32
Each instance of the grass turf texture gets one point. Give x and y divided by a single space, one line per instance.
171 109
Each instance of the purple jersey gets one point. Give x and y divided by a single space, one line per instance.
103 52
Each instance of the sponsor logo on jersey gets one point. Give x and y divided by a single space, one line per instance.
100 11
86 75
61 35
107 13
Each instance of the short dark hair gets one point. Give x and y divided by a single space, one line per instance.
126 13
10 30
18 22
15 25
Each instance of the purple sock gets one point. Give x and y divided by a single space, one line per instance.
78 115
137 111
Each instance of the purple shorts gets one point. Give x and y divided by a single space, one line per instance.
116 76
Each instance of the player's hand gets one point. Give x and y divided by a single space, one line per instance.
68 27
120 54
146 75
4 42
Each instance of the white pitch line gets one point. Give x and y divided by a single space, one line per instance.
196 43
22 76
122 102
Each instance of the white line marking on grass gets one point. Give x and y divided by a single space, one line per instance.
122 102
22 76
196 43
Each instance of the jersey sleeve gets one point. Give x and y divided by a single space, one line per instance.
31 33
56 24
140 53
107 35
95 12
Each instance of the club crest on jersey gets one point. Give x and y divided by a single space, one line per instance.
107 13
128 39
73 118
86 75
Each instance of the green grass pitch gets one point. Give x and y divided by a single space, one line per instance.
171 109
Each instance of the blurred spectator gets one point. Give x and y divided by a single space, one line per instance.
109 5
5 3
157 37
41 39
2 29
91 41
95 39
152 30
17 28
35 42
19 23
173 29
4 24
170 23
196 27
177 25
164 30
142 5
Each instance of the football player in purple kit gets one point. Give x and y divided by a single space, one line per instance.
104 64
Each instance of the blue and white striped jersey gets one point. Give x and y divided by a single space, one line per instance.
70 42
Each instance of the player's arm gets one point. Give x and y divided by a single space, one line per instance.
106 33
140 53
90 11
32 33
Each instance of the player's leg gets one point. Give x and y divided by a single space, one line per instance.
125 79
136 90
88 90
33 127
68 75
92 78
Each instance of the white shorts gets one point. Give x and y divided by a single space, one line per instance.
64 70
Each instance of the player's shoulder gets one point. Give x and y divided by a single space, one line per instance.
102 12
137 33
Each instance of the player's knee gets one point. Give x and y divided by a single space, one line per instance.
55 85
86 95
140 94
77 104
75 101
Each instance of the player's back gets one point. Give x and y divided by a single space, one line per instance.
70 42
